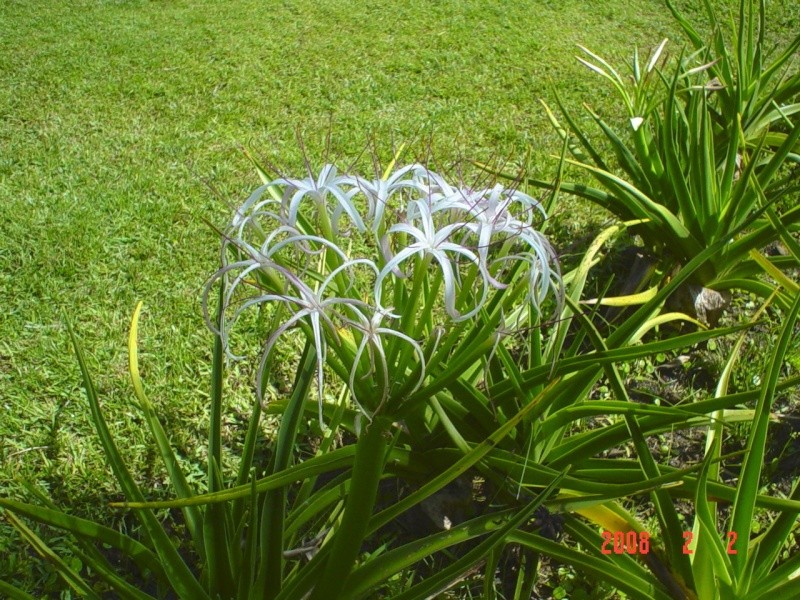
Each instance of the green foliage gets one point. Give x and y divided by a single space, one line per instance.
507 419
122 122
473 382
711 138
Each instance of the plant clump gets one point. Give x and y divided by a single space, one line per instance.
368 268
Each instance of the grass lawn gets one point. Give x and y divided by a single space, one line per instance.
120 127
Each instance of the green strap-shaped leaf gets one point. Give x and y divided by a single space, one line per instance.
613 435
665 509
89 530
621 354
73 579
340 458
372 573
625 157
270 570
749 479
709 543
216 526
349 536
622 579
460 466
14 593
193 517
180 576
782 582
97 563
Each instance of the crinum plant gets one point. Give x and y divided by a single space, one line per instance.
408 294
395 285
383 277
392 282
414 325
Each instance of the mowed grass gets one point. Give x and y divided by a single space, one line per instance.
120 128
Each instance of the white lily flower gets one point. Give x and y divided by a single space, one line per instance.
542 279
432 184
371 342
434 243
328 183
262 260
491 219
253 217
490 214
379 191
318 311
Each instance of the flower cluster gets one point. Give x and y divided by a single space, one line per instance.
331 249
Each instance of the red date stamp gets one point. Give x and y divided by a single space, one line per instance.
625 542
688 536
638 542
